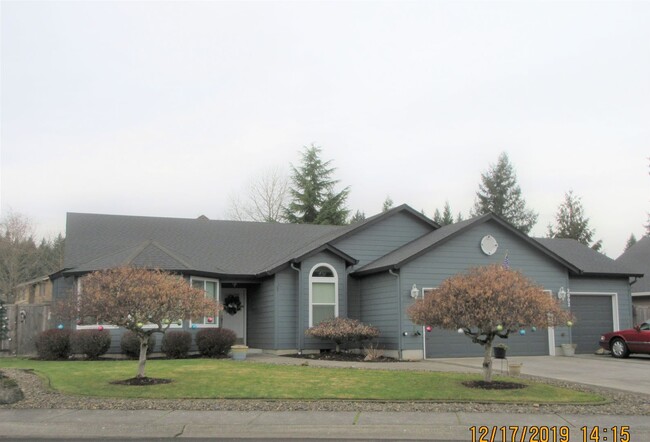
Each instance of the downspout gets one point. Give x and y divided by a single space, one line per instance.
299 315
399 314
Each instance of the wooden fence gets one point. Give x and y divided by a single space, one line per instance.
25 323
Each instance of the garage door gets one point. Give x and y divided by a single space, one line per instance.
593 318
446 344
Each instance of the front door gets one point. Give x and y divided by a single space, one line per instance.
234 320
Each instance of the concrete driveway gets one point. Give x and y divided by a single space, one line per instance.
632 374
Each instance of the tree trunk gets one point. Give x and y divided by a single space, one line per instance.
144 345
487 362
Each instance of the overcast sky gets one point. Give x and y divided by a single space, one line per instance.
168 108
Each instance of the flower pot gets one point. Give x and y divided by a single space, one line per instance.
499 352
238 352
568 349
515 369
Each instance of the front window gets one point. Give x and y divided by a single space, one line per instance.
323 294
88 322
211 289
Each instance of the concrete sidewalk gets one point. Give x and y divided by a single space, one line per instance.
95 424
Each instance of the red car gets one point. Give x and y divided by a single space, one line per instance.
633 340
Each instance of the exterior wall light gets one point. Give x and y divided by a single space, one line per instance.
415 292
561 294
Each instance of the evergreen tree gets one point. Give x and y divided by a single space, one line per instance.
437 217
357 217
446 217
313 199
20 258
459 217
630 241
4 322
388 204
571 222
499 193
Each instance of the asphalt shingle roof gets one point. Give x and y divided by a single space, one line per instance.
637 257
219 247
585 258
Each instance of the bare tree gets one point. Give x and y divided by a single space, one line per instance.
18 254
140 300
265 198
488 302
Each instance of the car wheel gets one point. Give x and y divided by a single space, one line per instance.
619 348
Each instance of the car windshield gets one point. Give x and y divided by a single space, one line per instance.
645 326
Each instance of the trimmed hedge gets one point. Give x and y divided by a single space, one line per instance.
130 344
215 341
91 343
53 344
176 344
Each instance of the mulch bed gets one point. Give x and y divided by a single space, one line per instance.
142 381
494 385
340 356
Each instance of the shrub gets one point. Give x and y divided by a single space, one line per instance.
91 343
342 330
53 344
215 341
176 344
130 344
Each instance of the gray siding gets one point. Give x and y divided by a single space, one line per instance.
354 298
379 307
460 254
286 309
260 320
383 237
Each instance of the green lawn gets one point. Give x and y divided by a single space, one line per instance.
217 379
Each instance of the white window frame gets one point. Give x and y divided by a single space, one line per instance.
550 330
323 280
217 318
90 326
424 327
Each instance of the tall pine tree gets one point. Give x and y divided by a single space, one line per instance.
499 193
570 222
446 217
313 198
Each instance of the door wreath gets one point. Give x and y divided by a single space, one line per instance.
232 304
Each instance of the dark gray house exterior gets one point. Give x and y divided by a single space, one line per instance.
637 258
290 276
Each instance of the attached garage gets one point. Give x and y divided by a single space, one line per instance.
594 316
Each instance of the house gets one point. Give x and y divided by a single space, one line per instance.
288 277
637 257
36 291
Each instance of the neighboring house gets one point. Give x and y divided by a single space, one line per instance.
36 291
637 257
291 276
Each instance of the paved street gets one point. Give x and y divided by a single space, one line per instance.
95 424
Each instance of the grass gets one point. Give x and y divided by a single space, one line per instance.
227 379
